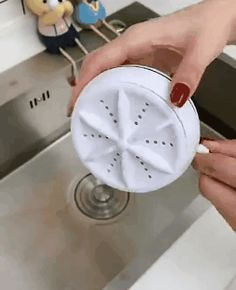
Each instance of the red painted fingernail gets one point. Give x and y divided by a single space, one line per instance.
72 81
180 94
68 113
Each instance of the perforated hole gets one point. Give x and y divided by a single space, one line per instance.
147 141
112 165
85 135
144 167
108 109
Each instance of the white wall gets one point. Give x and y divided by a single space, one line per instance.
19 40
10 11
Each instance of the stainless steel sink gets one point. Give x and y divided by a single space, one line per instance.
48 240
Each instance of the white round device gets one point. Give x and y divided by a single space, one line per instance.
128 134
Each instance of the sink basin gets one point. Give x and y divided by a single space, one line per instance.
47 240
47 243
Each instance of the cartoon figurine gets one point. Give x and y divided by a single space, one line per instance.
91 14
55 27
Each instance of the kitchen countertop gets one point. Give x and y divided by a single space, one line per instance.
20 42
204 258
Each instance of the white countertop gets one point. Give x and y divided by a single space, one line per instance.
204 258
19 40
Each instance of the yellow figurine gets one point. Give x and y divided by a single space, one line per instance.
55 27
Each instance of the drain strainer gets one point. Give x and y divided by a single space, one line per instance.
128 134
99 201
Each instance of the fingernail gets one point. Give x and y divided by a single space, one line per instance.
180 94
72 81
69 112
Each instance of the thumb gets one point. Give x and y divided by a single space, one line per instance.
189 73
225 147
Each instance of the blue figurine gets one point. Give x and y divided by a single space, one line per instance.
92 14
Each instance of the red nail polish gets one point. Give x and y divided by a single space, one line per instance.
72 81
180 94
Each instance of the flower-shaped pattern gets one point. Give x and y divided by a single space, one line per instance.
122 142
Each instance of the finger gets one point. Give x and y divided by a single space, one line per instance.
218 166
164 59
222 197
197 57
111 55
226 147
135 43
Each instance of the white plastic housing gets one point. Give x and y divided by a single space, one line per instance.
129 135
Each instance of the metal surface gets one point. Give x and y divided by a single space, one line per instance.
35 94
45 68
99 201
46 243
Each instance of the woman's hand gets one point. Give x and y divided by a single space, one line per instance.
218 177
182 44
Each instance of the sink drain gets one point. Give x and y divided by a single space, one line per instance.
99 201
